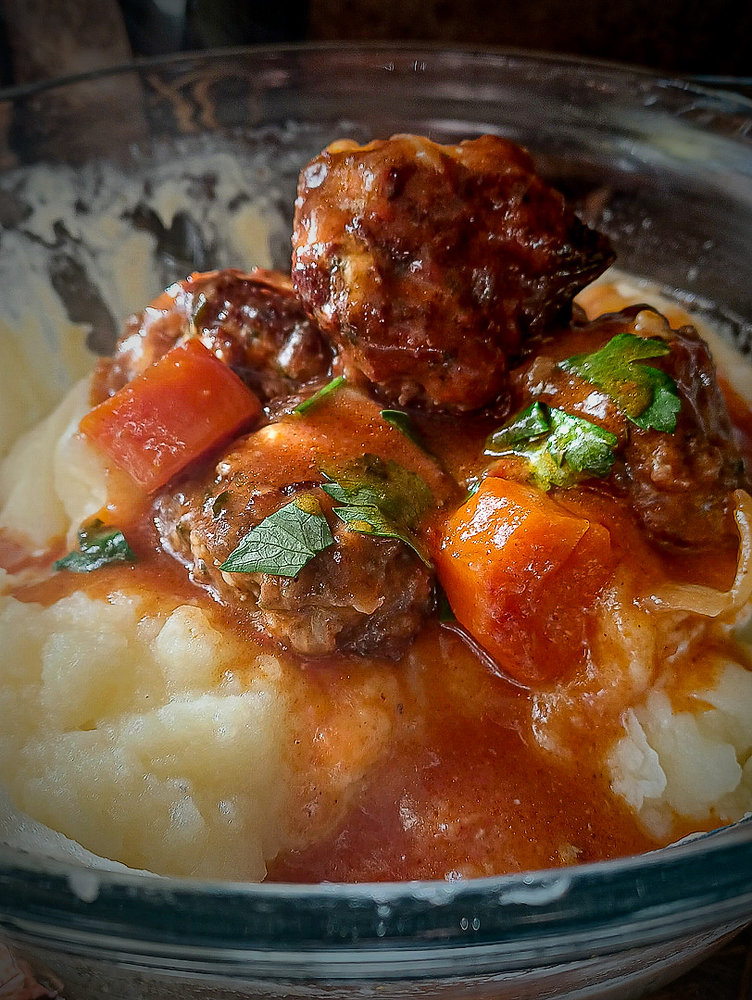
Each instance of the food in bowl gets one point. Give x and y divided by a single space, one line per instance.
400 566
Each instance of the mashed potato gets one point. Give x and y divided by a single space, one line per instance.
690 763
120 735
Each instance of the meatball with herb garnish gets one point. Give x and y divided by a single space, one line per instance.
316 522
655 391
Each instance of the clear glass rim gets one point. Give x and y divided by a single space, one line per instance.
415 929
707 86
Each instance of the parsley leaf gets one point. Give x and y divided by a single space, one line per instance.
380 498
98 546
370 520
284 542
322 393
219 503
443 607
403 423
647 395
561 449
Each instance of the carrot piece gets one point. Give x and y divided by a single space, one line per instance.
521 573
183 405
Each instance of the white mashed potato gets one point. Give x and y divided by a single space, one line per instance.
119 734
692 763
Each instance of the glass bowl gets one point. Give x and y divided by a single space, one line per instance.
182 158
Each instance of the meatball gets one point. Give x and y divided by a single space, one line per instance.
362 594
429 265
679 484
252 322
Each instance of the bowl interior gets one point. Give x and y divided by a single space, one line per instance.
115 185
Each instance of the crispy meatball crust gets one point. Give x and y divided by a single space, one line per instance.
251 321
429 265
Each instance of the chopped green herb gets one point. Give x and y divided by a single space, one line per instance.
561 449
372 521
284 542
381 498
322 393
200 315
443 607
98 546
645 394
220 503
404 424
529 423
389 485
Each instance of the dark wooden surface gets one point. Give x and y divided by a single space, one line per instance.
683 36
686 36
727 975
77 37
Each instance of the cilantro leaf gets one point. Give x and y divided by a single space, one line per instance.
403 423
384 483
647 395
443 607
561 449
529 423
322 393
370 520
379 497
98 546
284 542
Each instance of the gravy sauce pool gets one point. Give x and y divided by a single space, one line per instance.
465 790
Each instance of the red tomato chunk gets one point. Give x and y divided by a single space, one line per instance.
183 405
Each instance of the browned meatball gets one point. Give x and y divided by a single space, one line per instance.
362 594
253 322
429 265
679 484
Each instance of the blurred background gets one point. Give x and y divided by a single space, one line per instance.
41 38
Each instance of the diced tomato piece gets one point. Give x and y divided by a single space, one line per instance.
521 574
185 404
